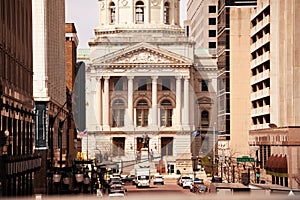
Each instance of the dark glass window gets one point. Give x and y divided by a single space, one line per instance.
204 86
204 119
166 84
212 21
118 84
212 33
142 84
212 9
212 45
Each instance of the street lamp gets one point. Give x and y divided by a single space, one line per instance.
214 147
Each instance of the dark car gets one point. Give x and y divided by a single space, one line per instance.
216 179
129 179
197 183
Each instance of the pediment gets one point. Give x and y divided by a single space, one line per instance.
142 53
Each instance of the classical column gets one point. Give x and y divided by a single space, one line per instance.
98 102
178 101
130 100
106 106
186 106
154 100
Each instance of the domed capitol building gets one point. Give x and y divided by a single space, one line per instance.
147 88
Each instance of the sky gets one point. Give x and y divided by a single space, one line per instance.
84 13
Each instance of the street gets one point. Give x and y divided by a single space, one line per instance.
170 190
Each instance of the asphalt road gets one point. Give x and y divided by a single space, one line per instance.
169 191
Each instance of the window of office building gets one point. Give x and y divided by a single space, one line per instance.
212 21
212 45
212 33
212 9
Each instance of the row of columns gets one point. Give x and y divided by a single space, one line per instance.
102 106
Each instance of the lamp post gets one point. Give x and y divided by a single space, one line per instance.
214 148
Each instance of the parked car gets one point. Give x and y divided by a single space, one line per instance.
158 179
187 183
196 184
181 179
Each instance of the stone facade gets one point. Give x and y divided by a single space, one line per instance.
146 86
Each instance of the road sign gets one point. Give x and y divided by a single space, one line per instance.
245 159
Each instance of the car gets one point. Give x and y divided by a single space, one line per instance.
182 179
114 179
129 179
158 179
116 182
117 187
196 183
187 183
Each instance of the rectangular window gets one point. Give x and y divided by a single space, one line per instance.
118 84
204 85
118 146
212 33
142 84
142 117
212 9
166 84
212 21
212 45
166 146
118 117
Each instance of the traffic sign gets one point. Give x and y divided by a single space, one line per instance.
245 159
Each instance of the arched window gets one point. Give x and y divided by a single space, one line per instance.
204 118
139 12
118 113
142 112
166 112
167 13
112 9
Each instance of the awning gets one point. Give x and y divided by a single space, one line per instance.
277 165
